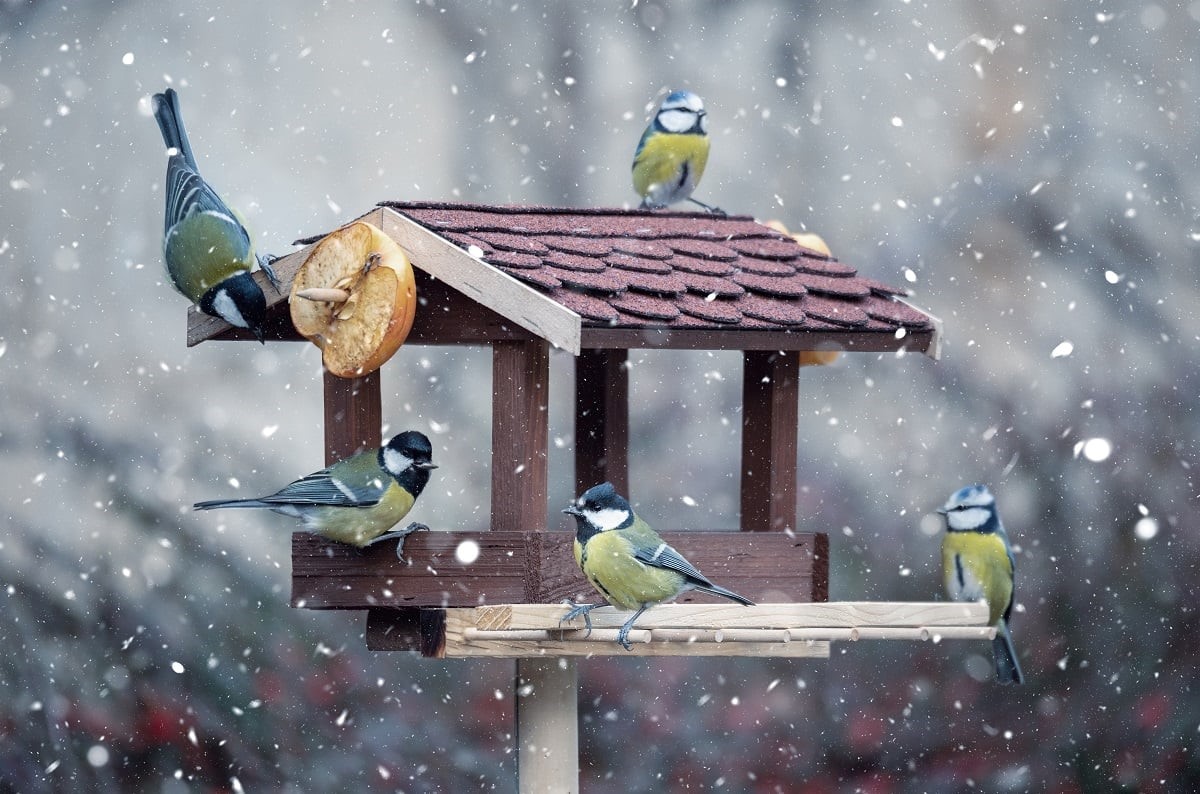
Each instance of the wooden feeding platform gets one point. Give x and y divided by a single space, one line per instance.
783 630
598 283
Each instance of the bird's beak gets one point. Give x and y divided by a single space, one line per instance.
572 510
941 511
429 464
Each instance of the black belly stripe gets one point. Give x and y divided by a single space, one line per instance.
603 590
583 557
958 569
683 174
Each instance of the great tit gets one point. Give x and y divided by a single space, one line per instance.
626 560
206 248
672 153
977 562
358 499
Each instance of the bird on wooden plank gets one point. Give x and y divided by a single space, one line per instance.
627 561
672 153
978 563
358 499
207 250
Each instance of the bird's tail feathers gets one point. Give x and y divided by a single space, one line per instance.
218 504
170 122
721 591
1008 669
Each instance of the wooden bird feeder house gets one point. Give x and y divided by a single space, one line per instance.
598 283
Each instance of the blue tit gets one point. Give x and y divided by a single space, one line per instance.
672 153
626 560
978 564
206 248
358 499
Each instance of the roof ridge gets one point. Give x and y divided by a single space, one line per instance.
537 209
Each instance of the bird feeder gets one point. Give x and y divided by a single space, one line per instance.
598 283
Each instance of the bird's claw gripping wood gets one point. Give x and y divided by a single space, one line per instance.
579 610
267 262
626 627
400 535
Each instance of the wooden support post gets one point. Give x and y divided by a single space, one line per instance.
602 419
545 690
547 725
770 402
353 415
520 429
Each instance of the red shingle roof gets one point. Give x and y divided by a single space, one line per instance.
639 269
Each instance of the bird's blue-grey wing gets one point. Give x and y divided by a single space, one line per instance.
322 488
188 193
665 556
642 143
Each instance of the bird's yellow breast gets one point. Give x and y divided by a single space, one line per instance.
660 164
608 562
976 565
358 526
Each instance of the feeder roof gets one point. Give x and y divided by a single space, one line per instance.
636 278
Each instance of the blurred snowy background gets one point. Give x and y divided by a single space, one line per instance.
1027 169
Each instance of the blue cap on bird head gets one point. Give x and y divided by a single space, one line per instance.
971 496
683 100
970 508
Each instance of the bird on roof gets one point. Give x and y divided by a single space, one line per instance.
358 499
978 563
207 250
627 561
672 153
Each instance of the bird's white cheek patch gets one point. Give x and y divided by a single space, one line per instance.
969 519
224 306
676 120
609 518
395 462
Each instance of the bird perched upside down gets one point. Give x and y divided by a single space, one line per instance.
206 248
358 499
672 153
627 561
978 563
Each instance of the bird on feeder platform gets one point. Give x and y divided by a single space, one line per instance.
206 248
627 561
358 499
672 153
978 563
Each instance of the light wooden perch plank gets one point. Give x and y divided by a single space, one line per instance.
788 630
833 614
464 640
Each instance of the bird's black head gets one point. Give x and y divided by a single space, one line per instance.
599 509
408 457
239 301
